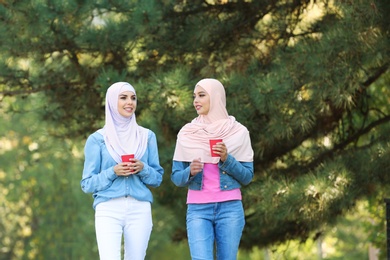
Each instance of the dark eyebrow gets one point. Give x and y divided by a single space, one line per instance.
200 92
125 95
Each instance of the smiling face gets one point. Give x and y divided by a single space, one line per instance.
127 103
201 101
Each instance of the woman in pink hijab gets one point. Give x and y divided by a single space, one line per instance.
120 187
215 214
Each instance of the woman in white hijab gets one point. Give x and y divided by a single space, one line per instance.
122 198
215 214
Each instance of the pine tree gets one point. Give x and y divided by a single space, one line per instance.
310 80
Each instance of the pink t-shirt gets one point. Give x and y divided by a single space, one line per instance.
211 191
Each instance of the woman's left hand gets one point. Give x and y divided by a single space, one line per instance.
221 149
136 166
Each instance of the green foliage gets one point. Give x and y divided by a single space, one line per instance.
40 190
308 78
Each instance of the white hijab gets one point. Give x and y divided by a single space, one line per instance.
122 135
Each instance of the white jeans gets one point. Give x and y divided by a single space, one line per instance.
123 216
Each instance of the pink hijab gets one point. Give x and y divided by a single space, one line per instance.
122 135
193 139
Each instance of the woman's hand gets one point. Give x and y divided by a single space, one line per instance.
221 149
196 167
134 166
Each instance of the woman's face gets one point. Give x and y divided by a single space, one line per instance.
127 103
201 101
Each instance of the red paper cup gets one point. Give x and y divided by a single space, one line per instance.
127 157
212 143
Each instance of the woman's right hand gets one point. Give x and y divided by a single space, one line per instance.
196 167
123 169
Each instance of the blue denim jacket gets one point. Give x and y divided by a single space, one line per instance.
232 174
100 179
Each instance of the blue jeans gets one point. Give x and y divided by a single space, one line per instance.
221 223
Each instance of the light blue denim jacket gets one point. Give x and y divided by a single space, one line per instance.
232 174
100 179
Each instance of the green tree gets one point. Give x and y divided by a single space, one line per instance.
310 79
43 212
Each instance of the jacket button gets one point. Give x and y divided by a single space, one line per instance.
224 172
225 186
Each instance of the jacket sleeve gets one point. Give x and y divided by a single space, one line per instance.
94 178
241 171
152 173
181 173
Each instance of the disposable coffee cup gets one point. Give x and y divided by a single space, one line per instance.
127 157
212 143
